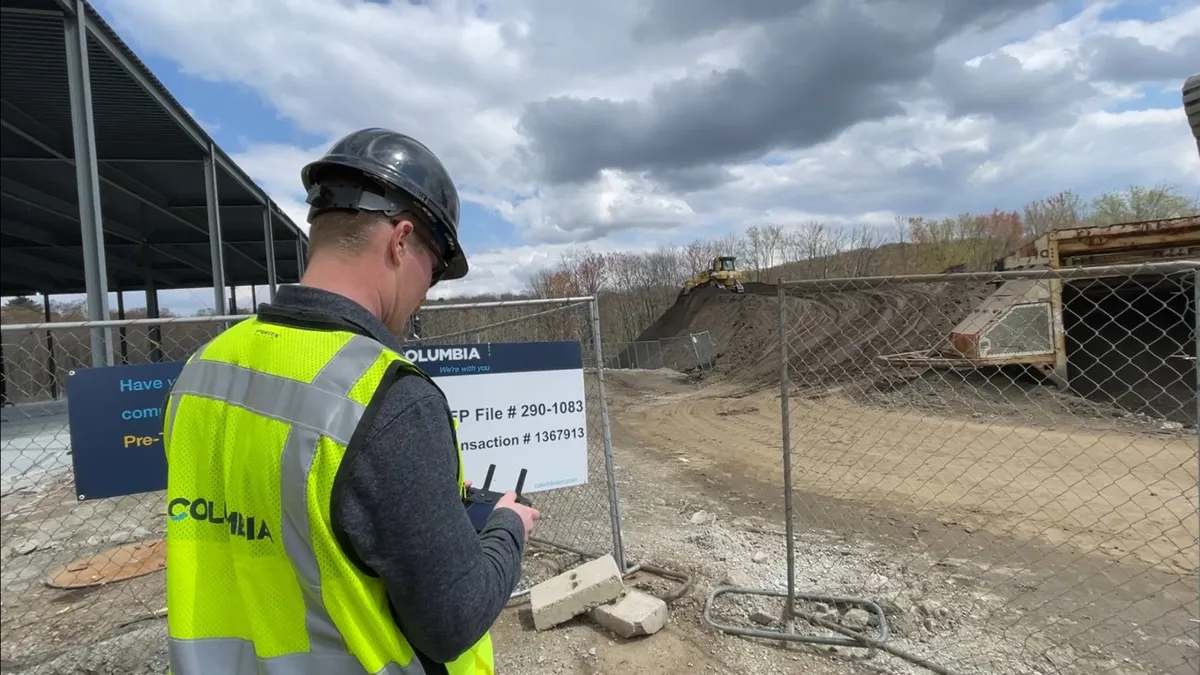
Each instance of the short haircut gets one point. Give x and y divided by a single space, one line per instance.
342 230
349 231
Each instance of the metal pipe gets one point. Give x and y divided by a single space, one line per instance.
216 250
786 438
1096 272
227 317
156 353
299 258
3 378
269 240
614 504
51 366
65 325
507 303
87 181
121 332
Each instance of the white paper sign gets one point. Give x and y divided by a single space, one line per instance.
519 406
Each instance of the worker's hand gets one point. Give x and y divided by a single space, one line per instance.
528 514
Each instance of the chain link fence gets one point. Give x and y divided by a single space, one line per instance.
686 353
583 519
57 616
1021 478
47 530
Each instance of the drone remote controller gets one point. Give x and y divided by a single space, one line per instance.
480 502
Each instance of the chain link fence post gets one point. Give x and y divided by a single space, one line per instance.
79 575
614 502
583 520
945 486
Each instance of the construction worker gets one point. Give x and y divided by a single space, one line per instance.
315 484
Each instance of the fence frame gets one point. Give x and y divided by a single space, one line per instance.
788 631
702 363
550 304
614 505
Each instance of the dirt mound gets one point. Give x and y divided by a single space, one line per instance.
831 335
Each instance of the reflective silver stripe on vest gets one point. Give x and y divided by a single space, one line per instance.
231 656
312 409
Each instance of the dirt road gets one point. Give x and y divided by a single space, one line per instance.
996 545
1068 546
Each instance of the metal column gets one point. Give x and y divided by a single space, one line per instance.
122 336
51 367
269 238
87 182
156 339
155 331
216 249
299 258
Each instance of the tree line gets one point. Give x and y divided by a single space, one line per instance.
635 288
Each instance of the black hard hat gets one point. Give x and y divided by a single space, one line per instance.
401 174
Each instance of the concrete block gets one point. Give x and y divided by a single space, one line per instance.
575 591
635 614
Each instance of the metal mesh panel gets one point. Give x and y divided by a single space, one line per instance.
1023 329
1045 516
108 627
686 353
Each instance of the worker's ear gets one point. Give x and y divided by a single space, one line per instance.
400 239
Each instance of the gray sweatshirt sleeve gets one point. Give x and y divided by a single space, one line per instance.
397 504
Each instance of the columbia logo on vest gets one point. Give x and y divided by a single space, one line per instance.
205 511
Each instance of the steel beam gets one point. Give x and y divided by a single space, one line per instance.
37 199
197 207
132 193
124 57
122 160
269 239
51 368
214 232
33 264
299 259
156 353
87 182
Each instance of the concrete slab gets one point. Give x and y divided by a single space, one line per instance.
575 591
634 615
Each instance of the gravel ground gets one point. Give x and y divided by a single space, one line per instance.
690 504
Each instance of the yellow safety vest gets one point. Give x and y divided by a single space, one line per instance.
255 429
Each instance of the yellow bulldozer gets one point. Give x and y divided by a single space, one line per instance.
722 273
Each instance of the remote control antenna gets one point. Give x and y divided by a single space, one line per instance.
487 482
521 481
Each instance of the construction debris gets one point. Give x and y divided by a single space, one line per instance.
636 614
575 592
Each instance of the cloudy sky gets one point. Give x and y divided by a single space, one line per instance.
627 123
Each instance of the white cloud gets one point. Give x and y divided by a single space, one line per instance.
458 75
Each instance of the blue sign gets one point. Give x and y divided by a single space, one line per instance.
115 412
507 357
115 416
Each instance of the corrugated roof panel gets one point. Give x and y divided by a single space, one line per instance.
129 124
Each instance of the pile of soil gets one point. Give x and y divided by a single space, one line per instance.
832 335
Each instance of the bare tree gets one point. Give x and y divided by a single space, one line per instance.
1063 210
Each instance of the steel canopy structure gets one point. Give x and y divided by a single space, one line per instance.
100 165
